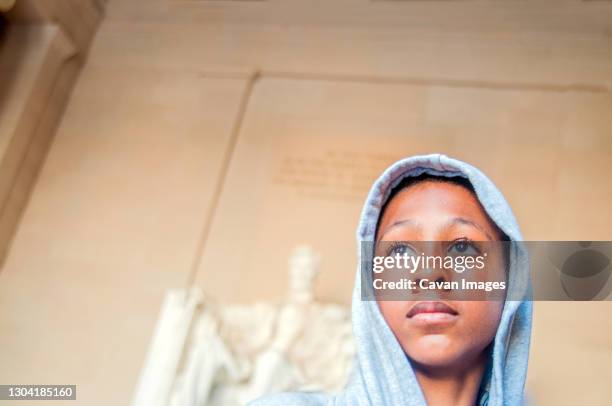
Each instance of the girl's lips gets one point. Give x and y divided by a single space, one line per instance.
432 313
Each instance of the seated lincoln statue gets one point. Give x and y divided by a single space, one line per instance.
238 353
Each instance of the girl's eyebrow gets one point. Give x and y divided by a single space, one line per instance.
399 223
451 222
464 221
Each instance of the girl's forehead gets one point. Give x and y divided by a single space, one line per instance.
431 203
428 195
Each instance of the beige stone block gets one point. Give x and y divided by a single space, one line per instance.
570 354
113 222
309 150
36 63
473 42
79 19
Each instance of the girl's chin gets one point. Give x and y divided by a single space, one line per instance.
433 351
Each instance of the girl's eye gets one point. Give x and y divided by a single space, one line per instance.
463 248
400 249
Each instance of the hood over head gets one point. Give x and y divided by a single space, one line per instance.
383 374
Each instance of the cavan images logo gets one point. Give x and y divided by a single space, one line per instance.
584 268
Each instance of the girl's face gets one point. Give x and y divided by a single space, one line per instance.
438 335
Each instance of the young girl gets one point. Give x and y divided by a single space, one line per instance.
413 352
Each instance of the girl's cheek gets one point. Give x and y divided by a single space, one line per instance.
483 317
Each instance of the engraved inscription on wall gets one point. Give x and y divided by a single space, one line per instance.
331 174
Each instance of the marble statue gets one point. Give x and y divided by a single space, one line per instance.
236 353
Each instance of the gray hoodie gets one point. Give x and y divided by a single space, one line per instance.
383 374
